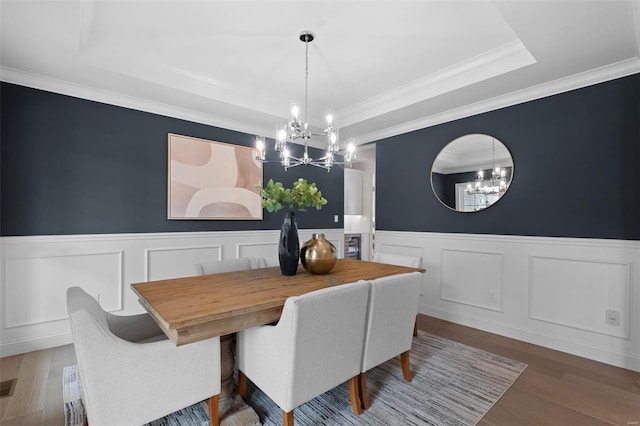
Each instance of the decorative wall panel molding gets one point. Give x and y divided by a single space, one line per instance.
35 287
256 249
472 278
401 249
561 288
166 263
555 292
37 270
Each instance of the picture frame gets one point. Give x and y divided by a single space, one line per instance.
210 180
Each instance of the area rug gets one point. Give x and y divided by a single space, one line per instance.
453 384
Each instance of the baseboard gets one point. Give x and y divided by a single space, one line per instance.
605 355
34 344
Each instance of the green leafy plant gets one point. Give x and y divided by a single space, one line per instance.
300 196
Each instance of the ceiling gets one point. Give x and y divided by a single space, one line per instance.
384 67
470 153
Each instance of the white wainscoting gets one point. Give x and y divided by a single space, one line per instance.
553 292
37 270
472 277
598 285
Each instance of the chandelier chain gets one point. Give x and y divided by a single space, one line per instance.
306 79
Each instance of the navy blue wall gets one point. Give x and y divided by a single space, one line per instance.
72 166
576 168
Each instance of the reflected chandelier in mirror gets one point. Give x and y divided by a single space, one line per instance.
472 172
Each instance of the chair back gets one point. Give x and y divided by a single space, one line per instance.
393 306
270 262
90 333
398 259
226 265
231 265
89 323
319 337
327 330
80 301
126 383
263 262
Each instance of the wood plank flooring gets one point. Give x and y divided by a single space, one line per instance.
37 398
556 389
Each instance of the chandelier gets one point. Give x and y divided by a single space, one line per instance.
296 130
496 184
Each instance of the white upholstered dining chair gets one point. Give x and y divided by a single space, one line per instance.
231 265
131 373
393 305
316 346
400 260
225 265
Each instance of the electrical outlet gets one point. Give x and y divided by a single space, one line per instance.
336 218
612 317
492 296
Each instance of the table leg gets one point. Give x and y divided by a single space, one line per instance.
233 410
227 364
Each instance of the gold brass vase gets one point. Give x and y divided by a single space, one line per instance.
318 256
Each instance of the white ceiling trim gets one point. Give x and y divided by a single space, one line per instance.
635 12
589 78
493 63
611 72
63 87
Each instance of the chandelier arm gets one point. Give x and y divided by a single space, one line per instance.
295 159
317 163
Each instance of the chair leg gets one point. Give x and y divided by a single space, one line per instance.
214 415
364 398
86 421
287 418
354 394
242 385
406 367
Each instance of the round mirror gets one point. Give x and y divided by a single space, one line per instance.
472 172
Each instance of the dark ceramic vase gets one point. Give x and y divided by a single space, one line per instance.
289 245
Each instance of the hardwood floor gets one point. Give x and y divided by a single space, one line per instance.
555 389
37 398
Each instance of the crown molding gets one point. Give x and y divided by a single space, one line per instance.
635 12
498 61
577 81
36 81
599 75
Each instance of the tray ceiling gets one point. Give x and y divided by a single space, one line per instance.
384 67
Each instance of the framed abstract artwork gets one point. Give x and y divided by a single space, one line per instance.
212 180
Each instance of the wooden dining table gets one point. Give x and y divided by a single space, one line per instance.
190 309
195 308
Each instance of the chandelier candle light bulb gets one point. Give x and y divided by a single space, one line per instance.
260 147
329 118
